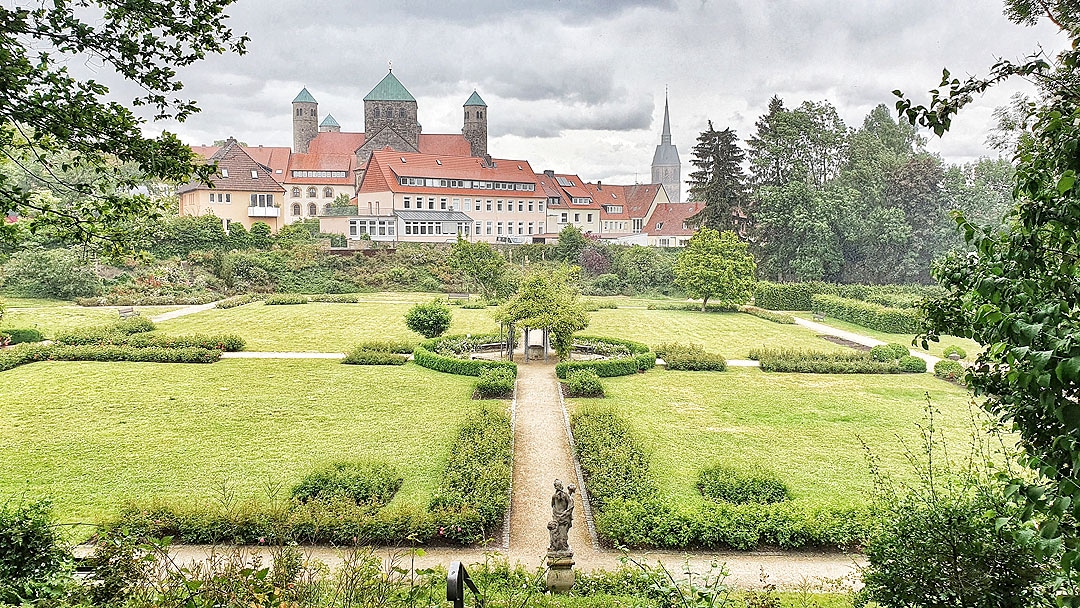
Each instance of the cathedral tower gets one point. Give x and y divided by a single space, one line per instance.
390 117
305 121
666 168
475 130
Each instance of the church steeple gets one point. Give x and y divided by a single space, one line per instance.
666 168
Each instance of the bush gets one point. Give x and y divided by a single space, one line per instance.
134 325
61 274
602 345
114 299
954 350
768 315
888 352
403 347
584 383
364 483
868 314
19 336
614 465
604 368
337 298
281 299
33 559
815 362
728 484
690 357
227 343
495 383
452 365
949 370
692 306
912 365
239 300
128 353
362 356
429 320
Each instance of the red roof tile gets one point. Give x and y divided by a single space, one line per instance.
450 144
386 166
330 142
671 217
235 170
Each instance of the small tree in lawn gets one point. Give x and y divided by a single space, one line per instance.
482 265
716 265
429 320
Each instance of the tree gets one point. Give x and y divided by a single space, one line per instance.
794 234
571 244
547 299
482 265
46 112
1017 294
429 320
716 265
805 144
719 181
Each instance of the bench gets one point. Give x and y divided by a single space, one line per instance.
819 316
458 296
126 312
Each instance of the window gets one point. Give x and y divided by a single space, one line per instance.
477 228
224 172
477 203
296 192
431 202
521 227
457 205
254 174
312 192
665 242
405 202
564 182
466 115
328 192
442 204
499 227
588 217
521 206
401 113
296 208
228 197
530 205
489 204
376 112
487 228
262 200
318 173
637 224
562 218
353 227
541 205
659 225
530 227
577 217
498 205
312 209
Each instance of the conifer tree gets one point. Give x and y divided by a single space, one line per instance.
719 181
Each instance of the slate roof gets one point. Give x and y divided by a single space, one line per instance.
329 121
389 89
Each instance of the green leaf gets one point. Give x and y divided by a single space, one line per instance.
1068 370
1066 182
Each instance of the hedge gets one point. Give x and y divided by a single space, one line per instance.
403 347
889 352
741 486
467 507
768 315
15 336
361 356
797 296
725 307
607 368
949 370
238 300
173 300
815 362
912 365
461 367
584 383
29 353
281 299
690 357
106 336
495 383
868 314
336 298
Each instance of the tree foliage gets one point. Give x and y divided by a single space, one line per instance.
1019 293
548 299
716 265
429 320
51 118
482 266
718 181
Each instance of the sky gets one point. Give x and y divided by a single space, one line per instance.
579 86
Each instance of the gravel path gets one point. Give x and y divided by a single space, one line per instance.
183 312
859 338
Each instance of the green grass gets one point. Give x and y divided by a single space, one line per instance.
971 347
730 334
318 326
804 427
94 435
52 317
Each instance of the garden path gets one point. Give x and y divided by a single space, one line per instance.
859 338
182 312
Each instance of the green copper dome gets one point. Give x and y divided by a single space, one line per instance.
390 89
304 97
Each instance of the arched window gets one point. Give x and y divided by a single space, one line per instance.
466 115
296 192
401 113
312 209
296 208
328 192
326 208
376 112
312 192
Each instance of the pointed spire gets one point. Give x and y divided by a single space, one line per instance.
665 137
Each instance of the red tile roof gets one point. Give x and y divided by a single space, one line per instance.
639 199
450 144
386 166
235 169
331 142
671 217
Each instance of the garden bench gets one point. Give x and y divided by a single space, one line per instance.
458 296
126 312
819 316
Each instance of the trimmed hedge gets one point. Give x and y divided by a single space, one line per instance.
868 314
362 356
403 347
495 383
889 352
614 465
954 350
22 354
690 357
370 483
815 362
768 315
912 365
336 298
15 336
584 383
173 300
608 368
134 325
797 296
461 367
693 307
106 336
949 370
238 300
29 353
738 486
284 299
632 347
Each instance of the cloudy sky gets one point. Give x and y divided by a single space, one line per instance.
578 85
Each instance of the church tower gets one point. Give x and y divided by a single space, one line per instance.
390 117
305 121
666 168
475 130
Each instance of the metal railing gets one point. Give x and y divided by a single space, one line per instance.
456 581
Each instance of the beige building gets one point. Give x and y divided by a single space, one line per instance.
243 190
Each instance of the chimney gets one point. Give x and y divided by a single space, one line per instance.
231 140
599 186
550 173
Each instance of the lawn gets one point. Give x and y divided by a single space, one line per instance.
730 334
94 435
971 347
52 317
805 427
318 326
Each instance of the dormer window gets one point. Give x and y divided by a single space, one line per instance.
659 225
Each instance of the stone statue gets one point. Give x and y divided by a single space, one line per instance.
562 514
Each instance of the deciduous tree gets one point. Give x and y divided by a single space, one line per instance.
716 265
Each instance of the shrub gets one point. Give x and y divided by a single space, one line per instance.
768 315
495 383
949 369
227 343
954 350
362 356
888 352
609 346
614 465
51 273
337 298
22 354
134 325
281 299
868 314
128 353
723 307
364 483
584 383
238 300
728 484
429 320
19 336
403 347
604 368
114 299
815 362
32 556
690 357
912 365
452 365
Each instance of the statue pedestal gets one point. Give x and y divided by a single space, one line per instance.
560 576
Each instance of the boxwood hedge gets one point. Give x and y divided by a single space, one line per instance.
868 314
462 367
13 336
